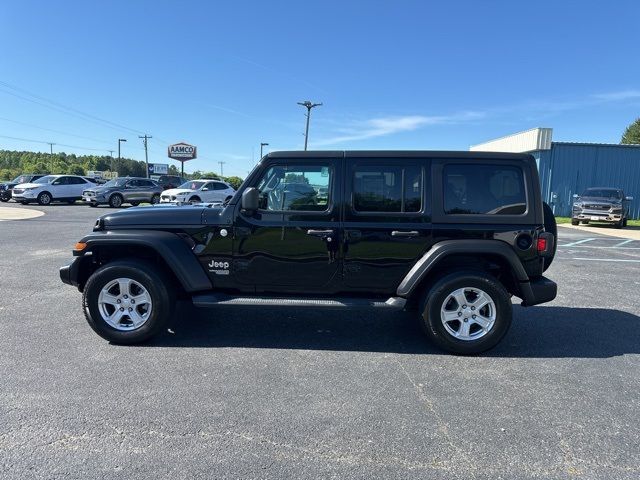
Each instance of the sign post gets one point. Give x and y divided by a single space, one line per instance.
182 152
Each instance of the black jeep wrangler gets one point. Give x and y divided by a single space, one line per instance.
452 235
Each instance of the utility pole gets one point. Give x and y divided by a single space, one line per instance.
51 150
111 156
308 105
120 140
221 172
262 145
145 137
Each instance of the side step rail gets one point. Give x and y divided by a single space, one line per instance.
216 299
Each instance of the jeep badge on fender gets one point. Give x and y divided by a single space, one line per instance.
453 235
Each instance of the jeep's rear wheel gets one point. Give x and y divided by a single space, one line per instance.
466 312
128 301
550 226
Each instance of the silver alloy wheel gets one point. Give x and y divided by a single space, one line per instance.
468 313
45 198
116 201
124 304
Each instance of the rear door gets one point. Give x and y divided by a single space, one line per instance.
387 221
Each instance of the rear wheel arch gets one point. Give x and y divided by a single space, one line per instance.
494 265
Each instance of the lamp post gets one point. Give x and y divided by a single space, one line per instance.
308 105
262 144
120 140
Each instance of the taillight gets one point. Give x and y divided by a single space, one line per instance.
542 245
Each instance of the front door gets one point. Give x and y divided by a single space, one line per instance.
291 243
387 225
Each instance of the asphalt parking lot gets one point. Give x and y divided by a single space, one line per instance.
282 393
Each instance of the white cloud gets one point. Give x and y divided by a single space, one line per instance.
617 96
379 127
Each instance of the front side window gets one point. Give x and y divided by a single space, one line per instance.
387 189
483 190
295 187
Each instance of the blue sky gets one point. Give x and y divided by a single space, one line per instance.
392 75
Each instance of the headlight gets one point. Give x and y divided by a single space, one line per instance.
577 206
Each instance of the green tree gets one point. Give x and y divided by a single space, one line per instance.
632 133
235 182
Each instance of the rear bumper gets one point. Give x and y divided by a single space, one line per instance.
537 291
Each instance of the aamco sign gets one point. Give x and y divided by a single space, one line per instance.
182 151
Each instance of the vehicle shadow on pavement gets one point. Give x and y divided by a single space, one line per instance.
536 332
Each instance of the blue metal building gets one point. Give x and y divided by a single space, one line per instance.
566 168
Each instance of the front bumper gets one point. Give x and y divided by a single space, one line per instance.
537 291
590 215
77 272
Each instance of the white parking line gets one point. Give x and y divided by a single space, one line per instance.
606 260
577 243
623 243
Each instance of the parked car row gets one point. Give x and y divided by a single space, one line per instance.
45 189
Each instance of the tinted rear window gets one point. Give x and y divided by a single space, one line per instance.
387 189
483 189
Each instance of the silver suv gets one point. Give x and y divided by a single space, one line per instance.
133 190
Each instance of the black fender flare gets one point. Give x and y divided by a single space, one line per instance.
445 248
169 246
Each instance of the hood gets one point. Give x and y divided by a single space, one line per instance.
99 189
29 185
602 200
167 215
177 191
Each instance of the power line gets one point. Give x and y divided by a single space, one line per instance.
52 130
30 140
62 108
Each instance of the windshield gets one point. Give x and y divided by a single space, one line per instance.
21 179
116 182
192 185
45 180
602 193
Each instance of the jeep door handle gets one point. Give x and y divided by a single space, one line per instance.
411 233
319 233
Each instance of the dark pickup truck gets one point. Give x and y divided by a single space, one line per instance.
451 235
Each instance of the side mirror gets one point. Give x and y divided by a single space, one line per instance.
575 195
629 198
204 189
250 199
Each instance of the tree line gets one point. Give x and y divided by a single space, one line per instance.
14 163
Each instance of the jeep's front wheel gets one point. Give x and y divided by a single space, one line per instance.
128 301
466 312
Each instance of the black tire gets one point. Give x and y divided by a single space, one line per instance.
550 226
115 201
144 273
155 199
93 204
44 198
134 204
195 200
24 203
619 224
624 222
432 303
71 202
575 222
585 222
4 199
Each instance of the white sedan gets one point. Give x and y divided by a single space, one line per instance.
199 191
50 188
